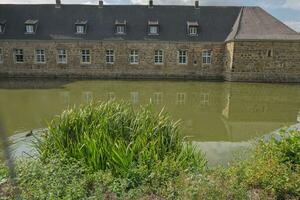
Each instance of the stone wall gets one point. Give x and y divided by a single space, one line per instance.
121 68
263 61
234 61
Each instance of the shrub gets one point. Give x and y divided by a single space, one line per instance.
274 165
113 136
111 151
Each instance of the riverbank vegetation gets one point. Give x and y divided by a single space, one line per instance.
112 151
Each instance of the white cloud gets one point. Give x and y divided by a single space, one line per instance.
292 4
294 25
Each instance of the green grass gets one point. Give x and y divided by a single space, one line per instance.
111 151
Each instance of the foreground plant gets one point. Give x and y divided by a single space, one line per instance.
275 165
111 151
115 137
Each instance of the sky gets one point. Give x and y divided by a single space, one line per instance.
287 11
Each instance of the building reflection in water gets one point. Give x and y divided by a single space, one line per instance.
87 96
134 97
204 99
181 97
157 98
111 96
65 95
209 111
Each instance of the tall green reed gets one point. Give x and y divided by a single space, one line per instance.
115 136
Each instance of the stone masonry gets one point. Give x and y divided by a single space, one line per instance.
262 61
121 68
253 61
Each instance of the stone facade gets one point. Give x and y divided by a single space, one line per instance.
253 61
263 61
121 68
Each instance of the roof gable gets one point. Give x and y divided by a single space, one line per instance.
254 23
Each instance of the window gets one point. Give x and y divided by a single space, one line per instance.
204 99
153 30
270 53
134 57
31 26
62 56
134 97
29 29
157 98
120 26
19 57
153 27
85 56
87 96
40 56
206 57
181 97
110 56
193 30
2 25
111 96
1 56
158 57
81 26
182 57
120 29
80 29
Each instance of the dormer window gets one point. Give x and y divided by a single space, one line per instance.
29 29
81 27
2 26
120 27
31 26
120 30
153 27
193 28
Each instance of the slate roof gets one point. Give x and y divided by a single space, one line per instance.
253 23
216 23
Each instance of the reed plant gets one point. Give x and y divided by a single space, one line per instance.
116 137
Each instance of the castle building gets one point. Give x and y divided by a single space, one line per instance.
147 42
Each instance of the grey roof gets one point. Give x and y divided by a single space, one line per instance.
253 23
2 21
215 23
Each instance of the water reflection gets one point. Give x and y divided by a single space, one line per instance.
134 97
209 111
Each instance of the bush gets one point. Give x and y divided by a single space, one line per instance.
274 166
111 151
115 137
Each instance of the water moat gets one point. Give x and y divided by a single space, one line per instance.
219 117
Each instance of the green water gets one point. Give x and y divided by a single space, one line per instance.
216 115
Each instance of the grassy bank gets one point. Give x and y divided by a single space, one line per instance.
111 151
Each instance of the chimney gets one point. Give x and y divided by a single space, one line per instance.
58 4
100 4
196 4
150 3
